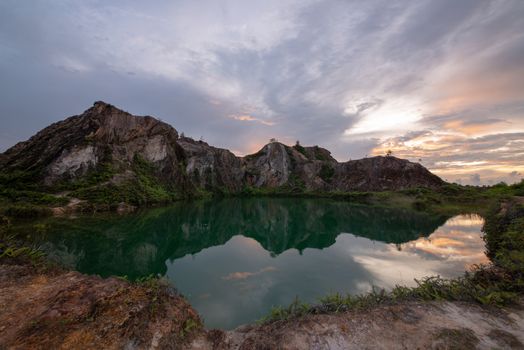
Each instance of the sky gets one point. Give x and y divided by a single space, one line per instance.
439 82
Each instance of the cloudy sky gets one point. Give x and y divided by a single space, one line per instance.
438 81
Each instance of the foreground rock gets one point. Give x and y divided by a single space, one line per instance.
68 310
412 325
108 156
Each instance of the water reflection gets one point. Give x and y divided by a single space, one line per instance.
236 258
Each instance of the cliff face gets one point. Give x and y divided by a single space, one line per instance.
313 168
102 134
382 173
210 167
150 153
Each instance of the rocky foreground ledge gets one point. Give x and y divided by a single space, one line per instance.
57 309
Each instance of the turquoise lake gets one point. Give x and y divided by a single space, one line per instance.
235 258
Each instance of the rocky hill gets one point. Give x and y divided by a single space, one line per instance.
108 155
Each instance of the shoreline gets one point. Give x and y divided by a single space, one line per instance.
53 305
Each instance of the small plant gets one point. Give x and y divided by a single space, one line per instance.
189 325
301 149
326 172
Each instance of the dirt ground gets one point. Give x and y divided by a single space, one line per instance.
413 325
68 310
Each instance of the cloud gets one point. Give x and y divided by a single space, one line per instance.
248 118
347 75
492 157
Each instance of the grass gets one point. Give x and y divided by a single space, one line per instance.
12 250
450 199
497 284
22 197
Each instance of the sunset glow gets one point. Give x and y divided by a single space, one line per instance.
371 77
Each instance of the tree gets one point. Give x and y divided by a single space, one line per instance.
272 140
297 143
389 153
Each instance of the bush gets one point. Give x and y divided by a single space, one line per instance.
326 172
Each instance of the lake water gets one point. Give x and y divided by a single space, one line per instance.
236 258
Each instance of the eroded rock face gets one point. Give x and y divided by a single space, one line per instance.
313 168
74 162
382 173
210 167
269 167
104 134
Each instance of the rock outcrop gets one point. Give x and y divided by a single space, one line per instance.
381 174
313 168
210 167
102 134
149 153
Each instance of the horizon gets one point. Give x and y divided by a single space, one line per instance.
438 82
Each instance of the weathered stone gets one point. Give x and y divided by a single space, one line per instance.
105 134
102 134
210 167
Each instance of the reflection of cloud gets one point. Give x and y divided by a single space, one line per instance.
243 275
451 249
457 240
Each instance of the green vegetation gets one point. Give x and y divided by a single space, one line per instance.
301 149
450 199
497 284
318 154
326 172
189 326
21 197
139 188
140 184
103 187
13 251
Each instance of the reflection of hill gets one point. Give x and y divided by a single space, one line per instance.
140 244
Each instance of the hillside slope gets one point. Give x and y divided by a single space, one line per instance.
106 155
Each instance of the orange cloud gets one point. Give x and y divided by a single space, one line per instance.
454 240
233 276
474 129
249 118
